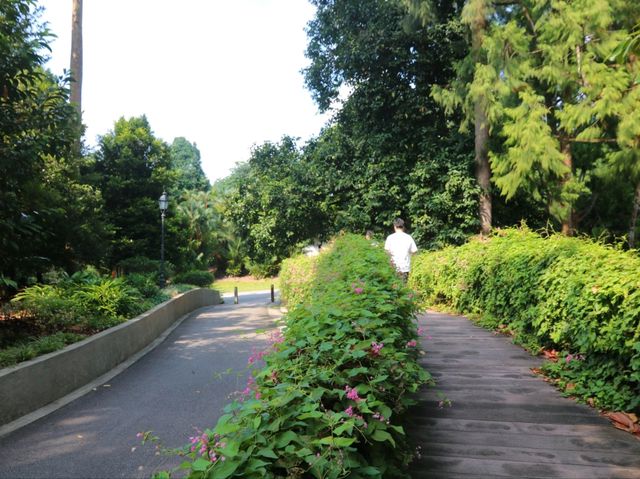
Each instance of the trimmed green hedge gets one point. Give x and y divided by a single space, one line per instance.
574 295
326 402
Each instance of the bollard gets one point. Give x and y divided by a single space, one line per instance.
235 295
273 295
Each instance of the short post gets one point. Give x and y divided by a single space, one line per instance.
235 295
273 296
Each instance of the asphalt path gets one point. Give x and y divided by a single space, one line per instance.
178 387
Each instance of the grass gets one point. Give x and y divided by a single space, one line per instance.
244 284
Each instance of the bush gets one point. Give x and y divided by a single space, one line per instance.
202 279
32 349
111 298
573 295
49 304
327 401
145 283
296 277
263 270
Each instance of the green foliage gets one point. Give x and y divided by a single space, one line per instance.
273 205
146 284
201 220
387 151
132 168
573 295
197 278
185 161
47 344
48 216
444 198
50 304
296 278
553 91
327 401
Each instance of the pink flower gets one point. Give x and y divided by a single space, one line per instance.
258 395
376 347
349 411
352 394
412 343
568 358
358 290
276 337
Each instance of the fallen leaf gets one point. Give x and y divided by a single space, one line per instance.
551 355
570 387
625 421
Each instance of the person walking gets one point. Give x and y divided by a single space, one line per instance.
401 246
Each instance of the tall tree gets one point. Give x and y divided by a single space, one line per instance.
274 204
475 15
185 161
387 125
37 129
133 168
76 56
551 88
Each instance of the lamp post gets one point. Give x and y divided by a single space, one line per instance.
163 203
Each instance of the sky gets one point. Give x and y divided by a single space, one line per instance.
223 74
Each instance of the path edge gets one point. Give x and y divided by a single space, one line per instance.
35 388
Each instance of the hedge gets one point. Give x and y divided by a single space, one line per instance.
327 401
296 277
573 295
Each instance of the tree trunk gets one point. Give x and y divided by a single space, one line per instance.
567 220
483 169
634 217
76 56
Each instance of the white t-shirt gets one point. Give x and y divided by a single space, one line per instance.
401 246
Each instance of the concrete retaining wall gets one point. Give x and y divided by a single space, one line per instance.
33 384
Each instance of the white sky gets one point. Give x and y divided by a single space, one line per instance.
223 74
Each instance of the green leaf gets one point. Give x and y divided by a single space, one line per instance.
336 441
266 452
369 471
224 469
231 449
285 438
382 436
200 464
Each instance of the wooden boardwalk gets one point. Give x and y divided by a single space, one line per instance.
503 421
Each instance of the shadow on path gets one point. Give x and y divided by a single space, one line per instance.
179 386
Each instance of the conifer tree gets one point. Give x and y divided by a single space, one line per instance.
550 86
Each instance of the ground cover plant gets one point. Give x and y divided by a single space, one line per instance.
326 403
574 298
46 317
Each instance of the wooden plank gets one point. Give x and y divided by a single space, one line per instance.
503 421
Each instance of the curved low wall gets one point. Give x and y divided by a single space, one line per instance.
28 386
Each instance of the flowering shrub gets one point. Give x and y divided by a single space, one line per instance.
327 400
568 294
